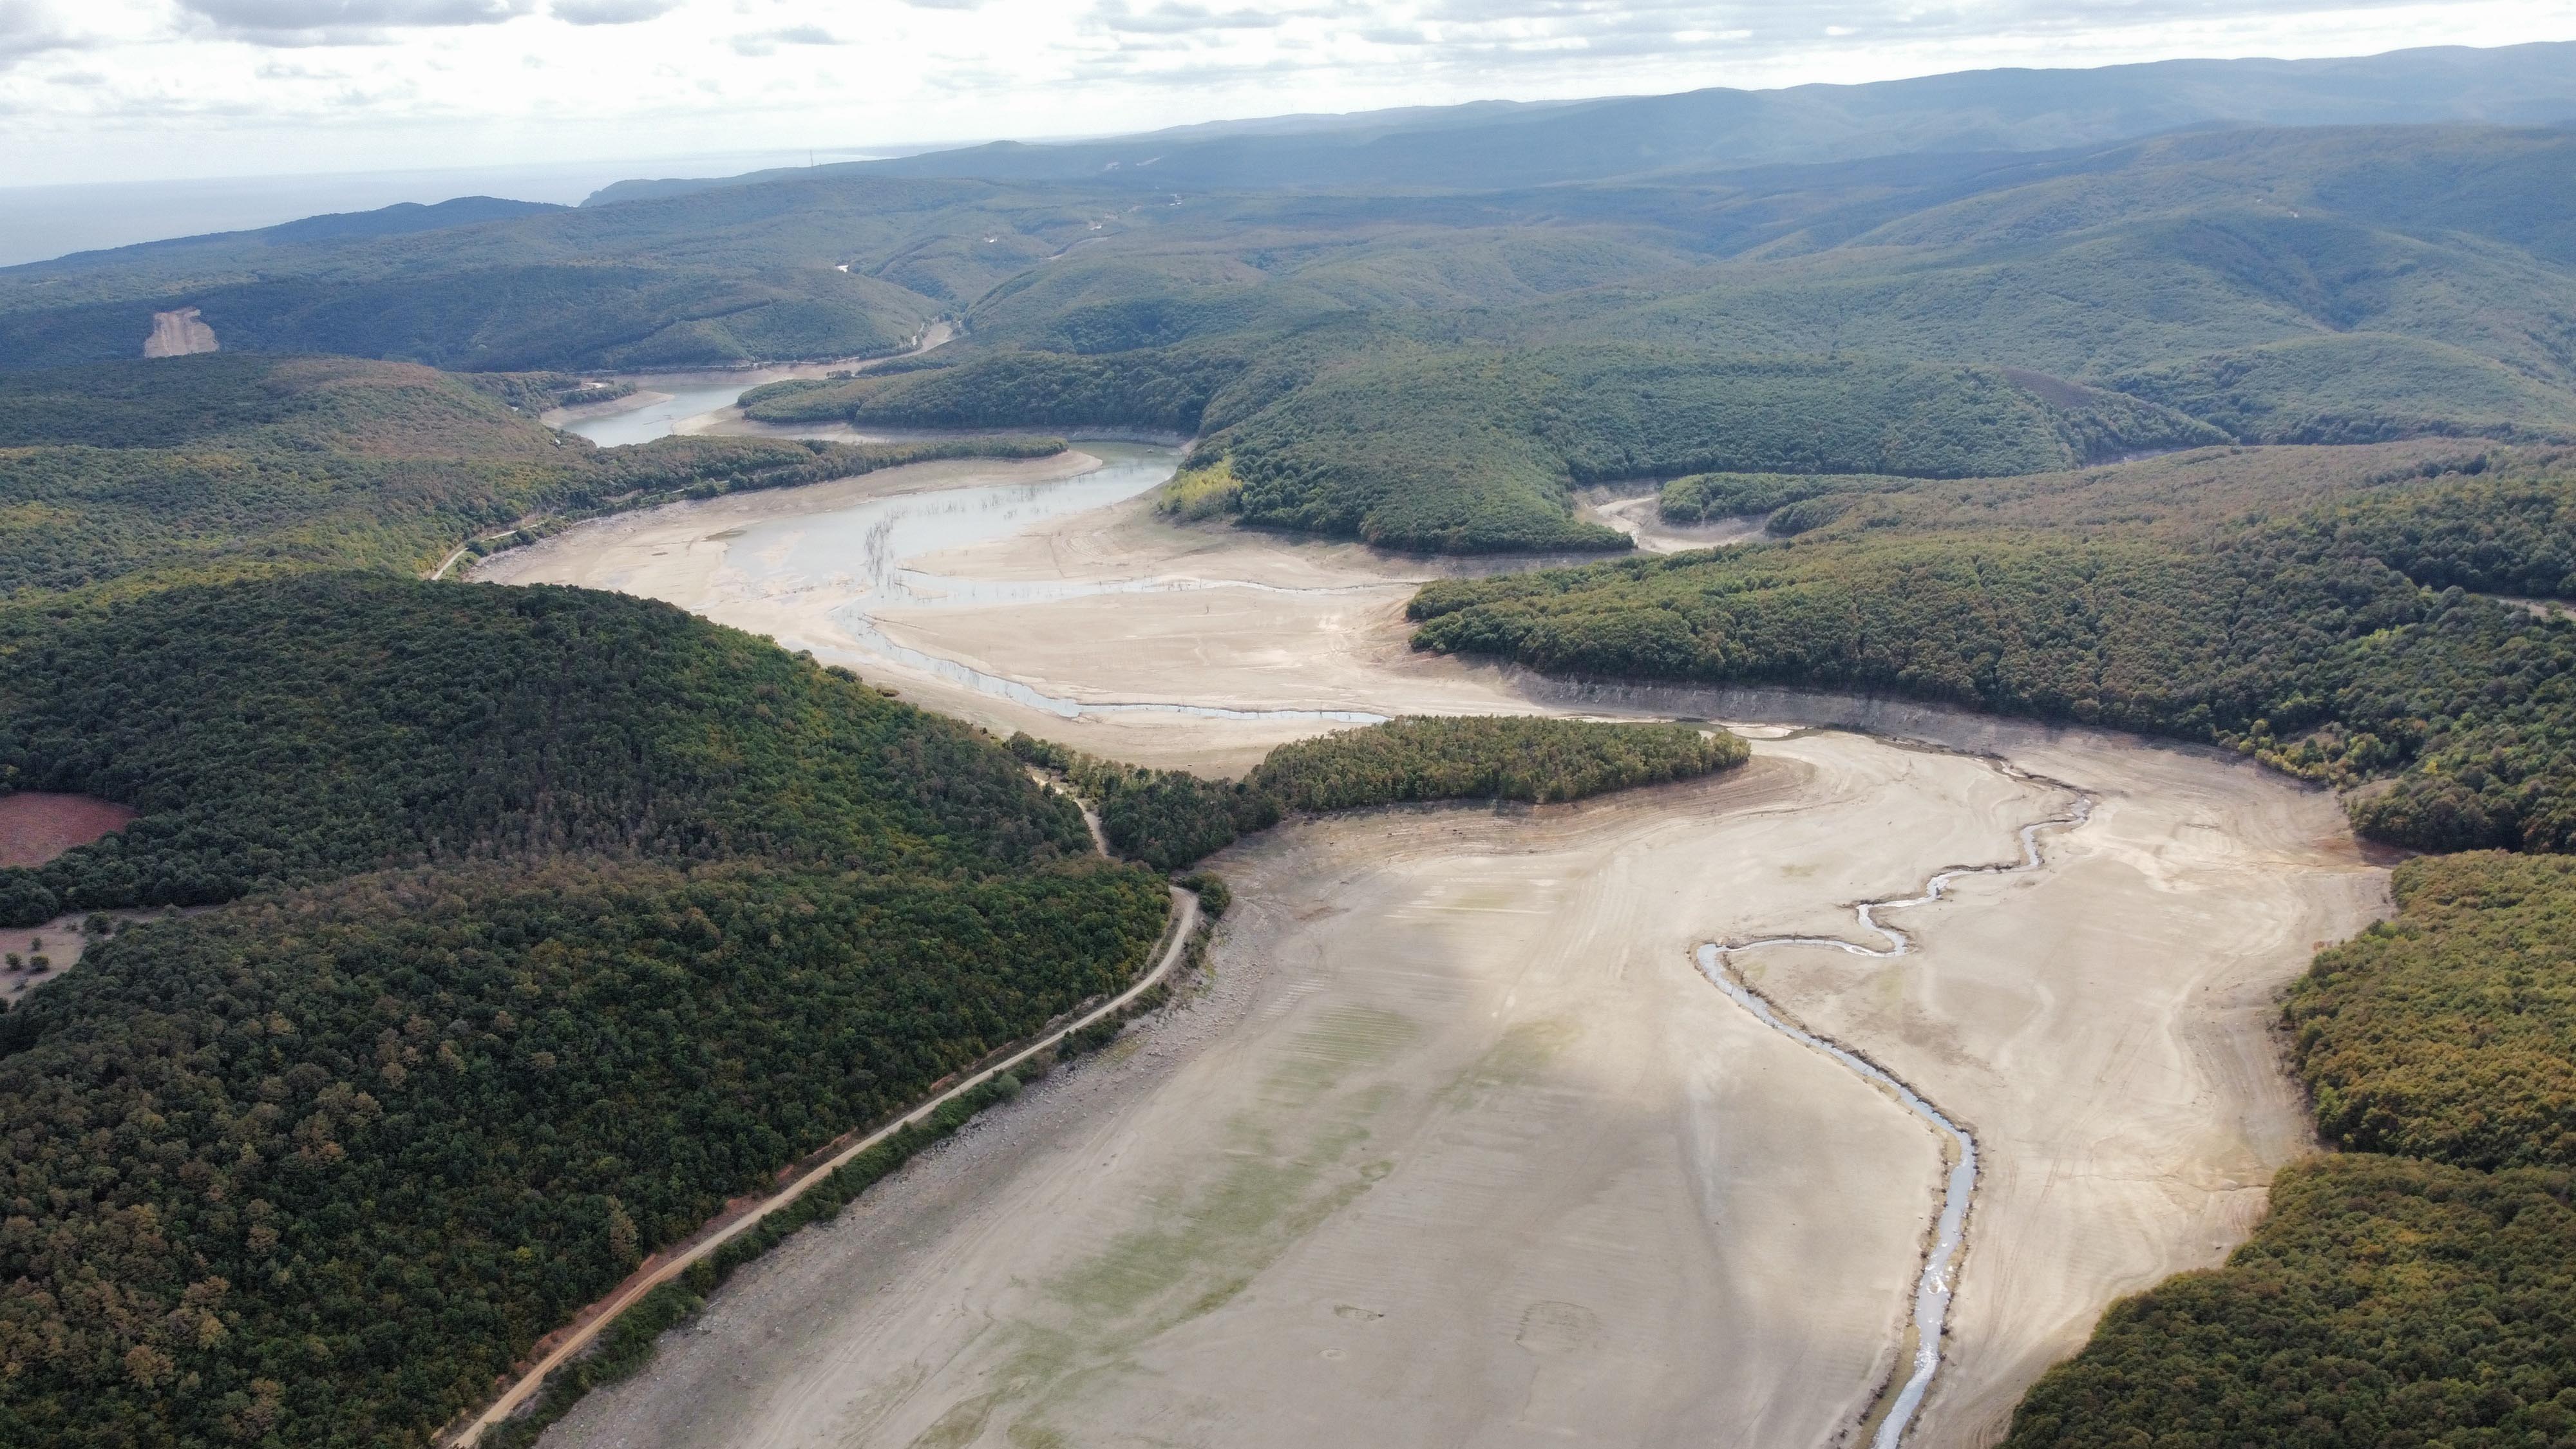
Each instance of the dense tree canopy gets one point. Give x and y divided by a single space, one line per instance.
1496 757
293 730
2449 1033
319 1166
2303 639
1171 818
2385 1304
1359 432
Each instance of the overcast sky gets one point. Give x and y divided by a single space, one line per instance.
144 89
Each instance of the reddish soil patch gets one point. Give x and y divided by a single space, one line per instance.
34 827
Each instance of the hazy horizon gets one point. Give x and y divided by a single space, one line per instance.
133 91
39 223
45 220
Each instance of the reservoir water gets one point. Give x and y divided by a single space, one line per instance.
684 400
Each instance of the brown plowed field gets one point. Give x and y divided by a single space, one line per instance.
35 827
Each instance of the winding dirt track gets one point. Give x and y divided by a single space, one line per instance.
665 1266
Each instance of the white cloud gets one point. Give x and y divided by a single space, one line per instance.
344 22
610 12
767 42
164 87
30 27
1182 19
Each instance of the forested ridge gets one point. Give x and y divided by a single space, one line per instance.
558 918
1471 449
1433 369
2338 640
1170 819
2449 1033
320 1166
541 921
220 465
1492 757
283 732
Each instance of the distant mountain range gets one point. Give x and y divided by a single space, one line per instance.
1493 144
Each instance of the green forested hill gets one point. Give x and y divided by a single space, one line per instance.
2357 389
2450 1032
2136 293
1170 819
547 921
541 922
1473 448
1426 387
574 314
720 277
123 474
1379 358
2302 637
280 732
315 1169
1918 122
306 404
1500 757
2384 1302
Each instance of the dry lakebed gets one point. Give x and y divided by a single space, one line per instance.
1468 1136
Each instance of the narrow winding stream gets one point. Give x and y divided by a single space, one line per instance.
1933 1287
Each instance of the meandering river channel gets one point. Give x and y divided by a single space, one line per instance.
1934 1285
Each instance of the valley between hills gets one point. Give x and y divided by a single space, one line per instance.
1879 765
1488 1029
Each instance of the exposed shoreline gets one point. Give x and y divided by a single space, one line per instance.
2156 942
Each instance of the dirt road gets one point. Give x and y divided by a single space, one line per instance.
668 1265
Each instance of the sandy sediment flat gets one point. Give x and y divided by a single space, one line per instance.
1308 627
1471 1154
1641 518
1459 1148
2105 1028
677 552
1479 1157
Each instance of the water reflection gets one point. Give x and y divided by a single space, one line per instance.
658 419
